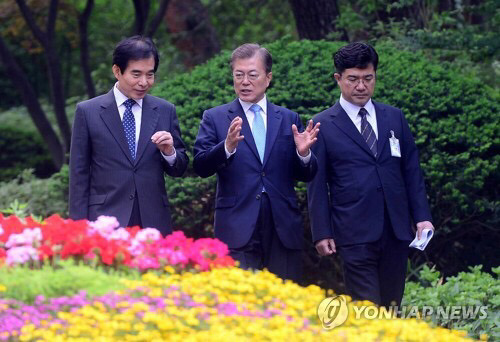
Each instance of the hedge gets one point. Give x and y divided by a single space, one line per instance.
453 116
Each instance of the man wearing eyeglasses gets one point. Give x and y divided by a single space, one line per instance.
257 149
369 183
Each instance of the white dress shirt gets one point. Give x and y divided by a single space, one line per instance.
250 116
120 99
352 111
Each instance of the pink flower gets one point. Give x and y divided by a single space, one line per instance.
104 225
120 234
28 237
136 248
20 255
148 234
146 262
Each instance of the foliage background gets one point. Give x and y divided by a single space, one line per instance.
439 62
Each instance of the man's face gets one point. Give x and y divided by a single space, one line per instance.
250 79
357 85
137 79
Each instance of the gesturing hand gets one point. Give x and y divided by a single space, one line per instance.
233 134
164 142
304 140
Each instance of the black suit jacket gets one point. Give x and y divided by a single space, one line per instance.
103 177
241 177
348 194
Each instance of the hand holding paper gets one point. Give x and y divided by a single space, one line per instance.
421 243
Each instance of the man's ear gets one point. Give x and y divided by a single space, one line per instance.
337 76
269 77
116 70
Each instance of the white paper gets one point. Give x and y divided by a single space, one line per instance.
427 235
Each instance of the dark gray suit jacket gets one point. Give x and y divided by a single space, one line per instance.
103 177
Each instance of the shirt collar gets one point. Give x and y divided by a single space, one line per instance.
120 97
352 110
262 103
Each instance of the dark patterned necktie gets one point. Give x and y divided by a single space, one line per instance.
129 126
367 132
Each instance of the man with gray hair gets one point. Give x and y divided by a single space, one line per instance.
257 149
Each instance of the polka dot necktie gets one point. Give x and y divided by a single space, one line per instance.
259 131
367 132
129 126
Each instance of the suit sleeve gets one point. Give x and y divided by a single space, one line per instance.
412 173
317 195
79 167
304 172
209 152
181 161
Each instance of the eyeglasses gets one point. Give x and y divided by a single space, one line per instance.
354 81
240 76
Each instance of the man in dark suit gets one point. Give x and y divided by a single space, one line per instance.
257 150
122 144
369 185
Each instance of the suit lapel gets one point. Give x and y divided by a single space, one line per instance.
344 123
111 118
236 110
149 121
382 127
273 124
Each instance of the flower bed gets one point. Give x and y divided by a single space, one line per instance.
191 291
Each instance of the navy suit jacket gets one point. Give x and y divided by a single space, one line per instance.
103 177
348 194
241 177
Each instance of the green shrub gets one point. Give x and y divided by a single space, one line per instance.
452 113
67 279
474 288
23 149
43 197
453 116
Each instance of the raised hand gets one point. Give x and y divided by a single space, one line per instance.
304 140
164 142
233 134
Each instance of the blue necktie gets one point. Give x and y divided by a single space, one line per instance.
129 126
367 132
259 131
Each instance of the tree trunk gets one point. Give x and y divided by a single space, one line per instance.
141 15
192 33
315 19
21 82
83 22
53 64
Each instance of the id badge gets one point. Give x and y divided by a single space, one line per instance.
394 143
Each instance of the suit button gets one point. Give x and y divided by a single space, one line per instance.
263 174
379 188
257 197
131 197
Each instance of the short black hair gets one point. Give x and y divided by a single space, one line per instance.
355 55
133 49
249 50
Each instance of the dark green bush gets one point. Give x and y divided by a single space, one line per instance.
23 149
473 289
453 116
43 197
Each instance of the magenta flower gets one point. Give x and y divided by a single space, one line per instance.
20 255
